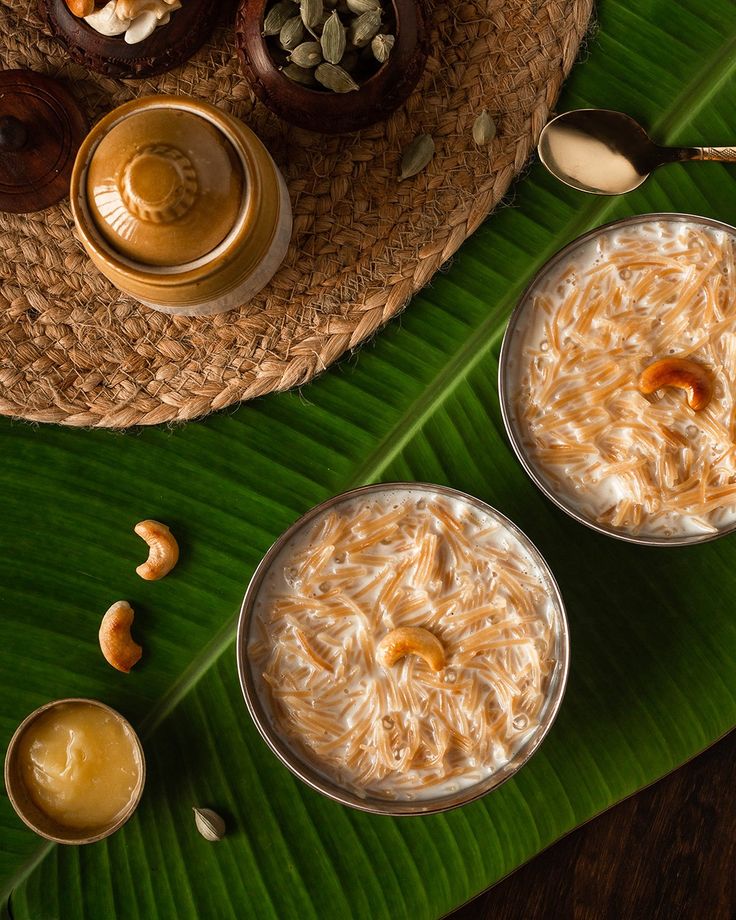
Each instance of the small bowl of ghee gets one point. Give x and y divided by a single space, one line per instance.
75 771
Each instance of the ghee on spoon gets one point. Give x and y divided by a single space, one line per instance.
608 153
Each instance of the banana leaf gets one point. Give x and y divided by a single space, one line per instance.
653 631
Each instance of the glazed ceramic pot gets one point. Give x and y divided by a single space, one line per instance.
180 205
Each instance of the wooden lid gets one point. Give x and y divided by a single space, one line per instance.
41 129
164 187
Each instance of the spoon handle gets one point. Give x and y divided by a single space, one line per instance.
724 154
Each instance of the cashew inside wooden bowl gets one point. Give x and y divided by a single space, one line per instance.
163 550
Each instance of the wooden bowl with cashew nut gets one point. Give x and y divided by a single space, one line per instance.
403 648
131 38
616 378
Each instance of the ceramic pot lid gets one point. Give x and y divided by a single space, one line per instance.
164 187
41 128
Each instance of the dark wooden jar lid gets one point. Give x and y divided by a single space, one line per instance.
322 110
168 47
41 129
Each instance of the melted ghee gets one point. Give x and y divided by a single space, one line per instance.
80 765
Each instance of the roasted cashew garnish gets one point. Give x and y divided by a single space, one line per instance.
411 640
163 550
80 7
683 373
116 641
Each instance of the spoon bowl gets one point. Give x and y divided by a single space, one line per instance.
609 153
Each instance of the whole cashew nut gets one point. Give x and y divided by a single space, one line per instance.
411 640
163 550
683 373
116 641
80 7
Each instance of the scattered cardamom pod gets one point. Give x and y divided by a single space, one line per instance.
308 54
277 17
335 78
209 824
364 28
363 6
333 40
292 33
310 11
416 156
381 46
484 128
299 74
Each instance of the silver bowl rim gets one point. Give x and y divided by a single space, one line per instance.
504 387
309 774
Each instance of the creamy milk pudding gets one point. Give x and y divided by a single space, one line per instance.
403 643
621 379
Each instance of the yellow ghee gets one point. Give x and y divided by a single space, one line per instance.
80 765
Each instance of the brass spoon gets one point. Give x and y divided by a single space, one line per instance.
608 153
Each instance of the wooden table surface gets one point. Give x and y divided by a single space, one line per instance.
668 852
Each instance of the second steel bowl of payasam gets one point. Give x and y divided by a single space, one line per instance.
403 648
618 379
382 87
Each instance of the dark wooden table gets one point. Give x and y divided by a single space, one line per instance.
668 852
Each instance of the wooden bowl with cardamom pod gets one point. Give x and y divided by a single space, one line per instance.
382 85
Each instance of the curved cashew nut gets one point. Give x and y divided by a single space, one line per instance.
683 373
411 640
116 641
80 7
163 550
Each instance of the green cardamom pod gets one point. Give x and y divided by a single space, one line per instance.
416 156
363 6
484 128
299 74
335 78
311 11
292 33
308 54
333 40
209 824
277 17
381 46
364 28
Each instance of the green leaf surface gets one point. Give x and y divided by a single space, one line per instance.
653 631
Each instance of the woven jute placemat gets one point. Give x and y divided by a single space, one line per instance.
75 351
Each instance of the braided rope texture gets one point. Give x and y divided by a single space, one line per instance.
75 351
